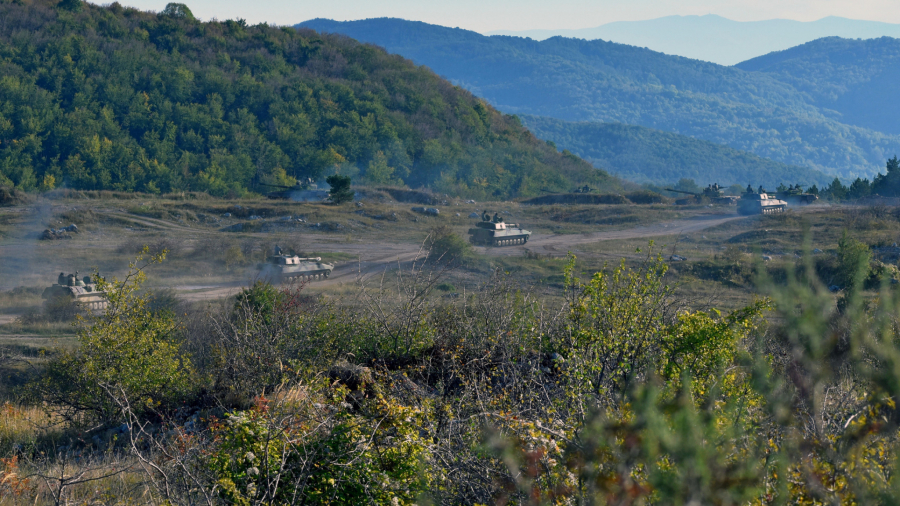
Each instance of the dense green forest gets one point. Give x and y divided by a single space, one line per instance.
579 80
646 155
115 98
856 78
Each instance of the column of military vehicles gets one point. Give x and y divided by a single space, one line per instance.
490 231
751 202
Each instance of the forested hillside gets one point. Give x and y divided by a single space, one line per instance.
857 78
578 80
647 155
115 98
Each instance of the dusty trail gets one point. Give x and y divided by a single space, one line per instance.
377 257
348 272
550 244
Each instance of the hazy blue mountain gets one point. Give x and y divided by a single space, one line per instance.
716 39
647 155
860 79
578 80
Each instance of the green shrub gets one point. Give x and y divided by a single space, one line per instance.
129 355
313 450
853 261
446 247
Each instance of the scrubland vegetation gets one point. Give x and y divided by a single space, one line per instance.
614 389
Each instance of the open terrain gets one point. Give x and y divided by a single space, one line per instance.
215 246
443 334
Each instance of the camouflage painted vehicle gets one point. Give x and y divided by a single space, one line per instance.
82 292
281 267
759 203
794 196
493 232
301 192
713 193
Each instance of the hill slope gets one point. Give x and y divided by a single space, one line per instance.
115 98
733 41
577 80
646 155
860 79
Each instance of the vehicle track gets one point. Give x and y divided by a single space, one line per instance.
377 257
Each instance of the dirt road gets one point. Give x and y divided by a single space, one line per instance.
378 257
549 244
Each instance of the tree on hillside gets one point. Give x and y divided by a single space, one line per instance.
70 5
835 191
176 10
888 185
687 185
859 188
340 191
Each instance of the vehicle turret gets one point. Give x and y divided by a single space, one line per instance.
760 203
795 196
280 267
492 231
81 291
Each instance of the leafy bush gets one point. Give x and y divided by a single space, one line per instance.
312 450
446 247
129 354
853 261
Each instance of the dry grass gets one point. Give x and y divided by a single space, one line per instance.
42 463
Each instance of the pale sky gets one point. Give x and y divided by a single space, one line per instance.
487 15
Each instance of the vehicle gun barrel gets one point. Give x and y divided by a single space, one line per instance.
682 191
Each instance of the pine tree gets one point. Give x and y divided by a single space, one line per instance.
340 191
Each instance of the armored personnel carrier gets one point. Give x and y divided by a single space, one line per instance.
794 196
759 203
82 292
493 232
281 267
713 193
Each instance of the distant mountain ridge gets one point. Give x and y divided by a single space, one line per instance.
857 78
646 155
717 39
598 81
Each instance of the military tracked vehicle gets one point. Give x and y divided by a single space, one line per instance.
713 193
281 267
300 192
794 196
493 232
759 203
82 292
